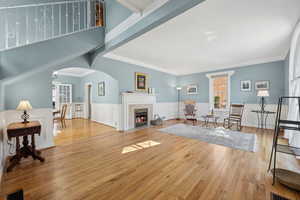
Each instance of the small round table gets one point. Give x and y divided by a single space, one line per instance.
213 118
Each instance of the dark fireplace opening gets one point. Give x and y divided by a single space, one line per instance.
140 117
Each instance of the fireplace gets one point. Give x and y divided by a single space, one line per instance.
140 117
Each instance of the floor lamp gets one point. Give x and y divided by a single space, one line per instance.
178 111
262 94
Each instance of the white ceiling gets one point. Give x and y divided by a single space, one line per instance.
74 71
216 34
136 5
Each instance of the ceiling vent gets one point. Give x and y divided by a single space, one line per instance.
137 6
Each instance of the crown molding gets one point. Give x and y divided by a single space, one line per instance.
74 75
137 62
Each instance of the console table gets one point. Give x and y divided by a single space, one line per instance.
17 130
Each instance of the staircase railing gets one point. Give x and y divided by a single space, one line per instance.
26 24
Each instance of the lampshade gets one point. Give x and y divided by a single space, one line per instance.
263 93
24 105
178 88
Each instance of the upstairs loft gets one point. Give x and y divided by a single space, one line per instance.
27 24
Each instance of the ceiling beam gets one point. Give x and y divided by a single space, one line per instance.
130 6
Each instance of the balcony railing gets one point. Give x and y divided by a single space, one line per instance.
27 24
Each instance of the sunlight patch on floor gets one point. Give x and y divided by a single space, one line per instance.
139 146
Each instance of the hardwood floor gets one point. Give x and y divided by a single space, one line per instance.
78 129
110 166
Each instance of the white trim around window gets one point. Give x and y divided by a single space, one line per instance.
211 92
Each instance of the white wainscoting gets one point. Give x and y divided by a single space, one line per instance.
107 114
166 109
249 118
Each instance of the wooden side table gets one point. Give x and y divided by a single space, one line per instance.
24 130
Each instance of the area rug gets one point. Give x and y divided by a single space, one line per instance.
220 136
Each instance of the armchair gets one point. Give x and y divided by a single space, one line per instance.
190 111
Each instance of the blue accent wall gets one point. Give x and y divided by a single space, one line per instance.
274 72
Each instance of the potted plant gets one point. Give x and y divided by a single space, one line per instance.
217 102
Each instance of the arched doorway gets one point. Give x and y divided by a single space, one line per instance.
90 96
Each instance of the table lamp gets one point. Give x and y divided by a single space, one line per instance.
263 94
24 106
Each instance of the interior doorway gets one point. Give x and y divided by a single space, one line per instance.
88 100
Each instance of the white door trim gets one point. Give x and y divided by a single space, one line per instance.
211 91
86 98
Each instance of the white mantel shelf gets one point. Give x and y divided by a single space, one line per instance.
136 94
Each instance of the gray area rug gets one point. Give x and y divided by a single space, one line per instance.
220 136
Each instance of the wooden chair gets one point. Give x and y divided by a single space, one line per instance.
235 116
62 117
190 111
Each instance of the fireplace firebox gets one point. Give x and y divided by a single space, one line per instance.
140 117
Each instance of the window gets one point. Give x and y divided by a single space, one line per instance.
219 89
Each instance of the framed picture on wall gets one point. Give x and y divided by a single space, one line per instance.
246 86
262 85
141 82
101 88
192 89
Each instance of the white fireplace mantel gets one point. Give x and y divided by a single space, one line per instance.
138 99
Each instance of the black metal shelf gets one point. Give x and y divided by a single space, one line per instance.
282 148
290 128
290 122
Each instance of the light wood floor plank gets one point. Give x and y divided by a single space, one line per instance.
89 163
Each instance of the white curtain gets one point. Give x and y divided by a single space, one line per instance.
294 86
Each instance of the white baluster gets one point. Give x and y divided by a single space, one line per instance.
79 15
27 26
67 19
59 19
17 29
6 30
52 20
45 23
73 16
36 25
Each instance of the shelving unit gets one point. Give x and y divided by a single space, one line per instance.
285 177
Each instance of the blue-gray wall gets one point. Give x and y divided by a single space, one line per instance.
77 94
115 14
111 87
274 72
78 85
163 83
286 75
36 85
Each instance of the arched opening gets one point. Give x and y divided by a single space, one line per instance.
83 99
